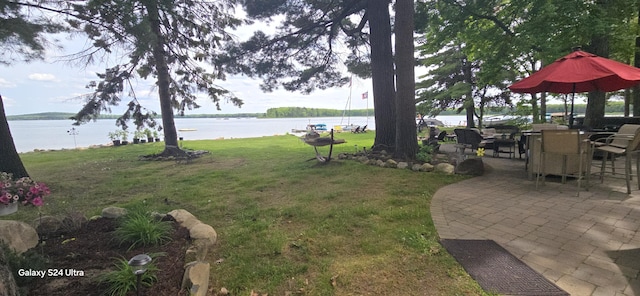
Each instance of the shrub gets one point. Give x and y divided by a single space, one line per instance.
138 228
425 154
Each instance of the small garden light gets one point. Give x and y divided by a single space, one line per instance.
139 265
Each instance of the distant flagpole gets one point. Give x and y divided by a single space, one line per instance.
365 96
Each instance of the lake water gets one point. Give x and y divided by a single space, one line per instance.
58 134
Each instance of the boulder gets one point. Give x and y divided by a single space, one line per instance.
19 236
445 168
203 231
470 166
427 167
186 219
402 165
113 212
390 163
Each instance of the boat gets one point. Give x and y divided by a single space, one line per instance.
498 120
350 127
429 122
187 130
319 127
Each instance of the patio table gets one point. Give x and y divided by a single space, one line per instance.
505 145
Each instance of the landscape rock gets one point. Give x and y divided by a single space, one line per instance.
380 163
18 235
113 212
198 250
416 167
158 216
196 278
8 286
402 165
390 163
203 231
446 168
427 167
186 219
471 166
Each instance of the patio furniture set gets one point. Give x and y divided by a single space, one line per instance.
499 139
552 149
571 153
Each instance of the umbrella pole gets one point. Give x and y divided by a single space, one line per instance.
573 96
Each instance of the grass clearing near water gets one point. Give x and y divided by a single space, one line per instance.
286 226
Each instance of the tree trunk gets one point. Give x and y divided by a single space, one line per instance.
406 136
470 110
627 102
594 114
535 111
10 161
469 104
159 56
382 75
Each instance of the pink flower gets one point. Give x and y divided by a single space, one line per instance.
23 190
37 202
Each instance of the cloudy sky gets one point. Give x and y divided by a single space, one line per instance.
54 86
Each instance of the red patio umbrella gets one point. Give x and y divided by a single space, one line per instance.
579 71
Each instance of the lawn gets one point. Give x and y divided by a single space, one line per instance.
286 225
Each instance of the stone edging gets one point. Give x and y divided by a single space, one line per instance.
196 273
203 237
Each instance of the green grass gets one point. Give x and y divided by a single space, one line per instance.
285 224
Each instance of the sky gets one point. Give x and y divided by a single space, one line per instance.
54 86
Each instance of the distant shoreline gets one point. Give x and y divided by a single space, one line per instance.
67 116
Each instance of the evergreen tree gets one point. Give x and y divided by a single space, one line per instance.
23 32
305 53
168 41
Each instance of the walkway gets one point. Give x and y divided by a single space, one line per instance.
587 245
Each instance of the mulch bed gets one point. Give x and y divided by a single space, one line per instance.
498 271
92 251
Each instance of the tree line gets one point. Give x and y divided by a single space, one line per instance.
283 112
476 49
280 112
